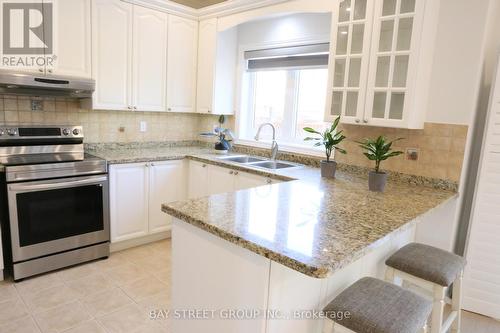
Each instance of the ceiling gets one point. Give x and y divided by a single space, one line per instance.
198 3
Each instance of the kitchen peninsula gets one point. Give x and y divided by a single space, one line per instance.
287 248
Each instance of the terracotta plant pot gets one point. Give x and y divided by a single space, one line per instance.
377 181
328 169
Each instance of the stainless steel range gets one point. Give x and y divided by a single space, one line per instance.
55 206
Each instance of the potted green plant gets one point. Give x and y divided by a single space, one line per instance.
224 136
378 150
330 138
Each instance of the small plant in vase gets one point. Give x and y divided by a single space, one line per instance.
330 138
378 150
224 137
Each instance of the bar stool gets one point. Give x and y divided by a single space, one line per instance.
374 306
435 270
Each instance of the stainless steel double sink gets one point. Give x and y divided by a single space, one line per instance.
258 162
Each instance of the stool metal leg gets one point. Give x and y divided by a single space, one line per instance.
438 309
456 303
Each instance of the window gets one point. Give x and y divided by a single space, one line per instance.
288 91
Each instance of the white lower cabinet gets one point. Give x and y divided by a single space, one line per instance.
136 194
210 179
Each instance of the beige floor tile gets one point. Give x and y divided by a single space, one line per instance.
7 291
38 283
49 298
154 263
62 317
106 302
76 272
91 284
164 275
87 327
160 301
25 324
130 319
138 254
144 288
125 274
12 309
114 260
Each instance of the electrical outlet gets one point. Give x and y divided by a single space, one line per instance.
412 154
36 105
144 126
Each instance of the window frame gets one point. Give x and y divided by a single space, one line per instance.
244 102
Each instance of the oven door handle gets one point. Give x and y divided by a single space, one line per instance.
48 185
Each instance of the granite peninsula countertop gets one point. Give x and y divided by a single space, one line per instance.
313 225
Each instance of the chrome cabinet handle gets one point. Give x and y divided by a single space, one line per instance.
135 107
236 173
40 70
365 121
50 70
204 166
357 121
169 109
129 107
152 164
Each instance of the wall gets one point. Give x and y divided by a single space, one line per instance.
287 28
456 69
103 126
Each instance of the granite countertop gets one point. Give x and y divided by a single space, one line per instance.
311 224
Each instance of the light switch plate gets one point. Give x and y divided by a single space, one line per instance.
144 126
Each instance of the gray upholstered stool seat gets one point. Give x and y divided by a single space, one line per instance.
428 263
376 306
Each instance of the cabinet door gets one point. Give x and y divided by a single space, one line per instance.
18 40
350 50
167 183
182 62
392 55
245 180
197 180
149 59
207 48
128 201
220 180
72 38
112 54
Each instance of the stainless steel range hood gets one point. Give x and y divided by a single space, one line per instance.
17 83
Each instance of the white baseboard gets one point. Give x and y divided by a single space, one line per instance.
119 246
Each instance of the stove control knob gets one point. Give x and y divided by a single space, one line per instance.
12 131
2 131
66 131
76 131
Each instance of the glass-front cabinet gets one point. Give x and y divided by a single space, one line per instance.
349 58
381 60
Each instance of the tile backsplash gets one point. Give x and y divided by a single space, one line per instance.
440 146
104 125
440 149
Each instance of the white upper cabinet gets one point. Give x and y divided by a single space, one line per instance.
182 62
72 38
387 85
149 59
112 54
207 47
349 58
217 59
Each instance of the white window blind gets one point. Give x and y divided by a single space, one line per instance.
293 57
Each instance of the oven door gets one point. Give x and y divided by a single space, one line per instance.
52 216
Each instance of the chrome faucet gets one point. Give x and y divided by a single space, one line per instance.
274 145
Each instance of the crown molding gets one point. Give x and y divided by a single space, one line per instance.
218 10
